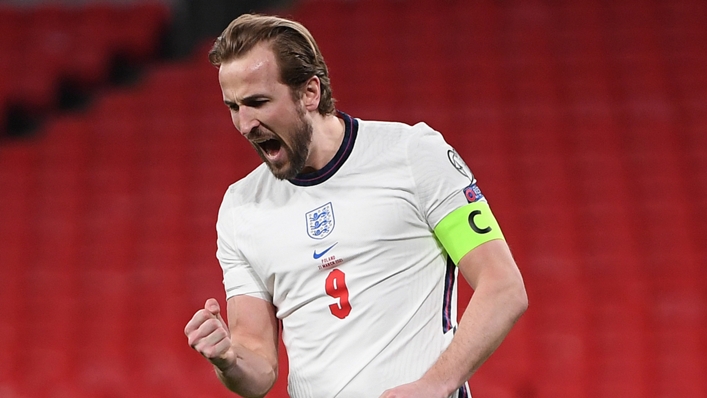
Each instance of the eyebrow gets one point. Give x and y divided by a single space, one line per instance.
247 100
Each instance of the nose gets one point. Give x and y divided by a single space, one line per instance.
245 120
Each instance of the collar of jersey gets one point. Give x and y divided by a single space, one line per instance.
326 172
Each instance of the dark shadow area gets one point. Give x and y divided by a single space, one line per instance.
191 22
196 20
20 122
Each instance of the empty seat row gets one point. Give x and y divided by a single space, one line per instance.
107 217
45 45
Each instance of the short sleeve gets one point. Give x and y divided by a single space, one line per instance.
443 182
239 278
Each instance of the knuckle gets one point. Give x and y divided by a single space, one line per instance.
201 348
207 327
220 333
215 324
210 352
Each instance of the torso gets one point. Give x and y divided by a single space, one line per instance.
356 234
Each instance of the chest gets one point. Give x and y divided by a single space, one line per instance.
295 239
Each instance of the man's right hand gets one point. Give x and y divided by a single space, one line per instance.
209 335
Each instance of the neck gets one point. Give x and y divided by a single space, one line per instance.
327 136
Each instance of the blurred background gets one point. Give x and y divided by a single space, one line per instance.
584 121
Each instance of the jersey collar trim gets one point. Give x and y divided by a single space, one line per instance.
326 172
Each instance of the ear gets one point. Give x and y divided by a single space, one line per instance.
311 94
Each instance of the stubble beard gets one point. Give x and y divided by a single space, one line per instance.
297 151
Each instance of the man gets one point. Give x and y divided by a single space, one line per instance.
348 234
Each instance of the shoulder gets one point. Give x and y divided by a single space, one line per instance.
399 129
392 137
248 188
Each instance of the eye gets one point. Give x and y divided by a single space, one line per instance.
256 103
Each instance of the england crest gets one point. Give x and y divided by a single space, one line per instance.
320 221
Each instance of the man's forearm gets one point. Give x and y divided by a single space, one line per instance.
250 376
488 318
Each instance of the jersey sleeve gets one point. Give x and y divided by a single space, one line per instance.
451 201
239 278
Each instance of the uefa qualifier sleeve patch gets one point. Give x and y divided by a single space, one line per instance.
466 228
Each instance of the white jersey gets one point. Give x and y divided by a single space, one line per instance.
347 255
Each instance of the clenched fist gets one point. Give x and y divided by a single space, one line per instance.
209 335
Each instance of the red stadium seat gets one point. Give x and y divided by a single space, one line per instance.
584 124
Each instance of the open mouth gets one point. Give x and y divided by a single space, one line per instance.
270 147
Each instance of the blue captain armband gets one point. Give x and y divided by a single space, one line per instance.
466 228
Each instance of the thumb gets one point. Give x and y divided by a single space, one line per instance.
213 307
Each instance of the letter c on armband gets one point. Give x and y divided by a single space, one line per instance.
475 227
459 232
